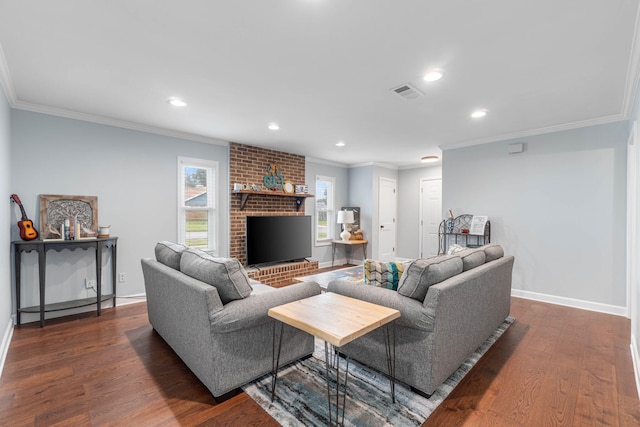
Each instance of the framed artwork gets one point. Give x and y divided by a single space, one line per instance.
54 209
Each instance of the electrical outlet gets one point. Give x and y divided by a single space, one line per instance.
122 277
89 284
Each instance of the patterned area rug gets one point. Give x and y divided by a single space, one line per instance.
301 393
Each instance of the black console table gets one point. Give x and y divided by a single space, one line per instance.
41 247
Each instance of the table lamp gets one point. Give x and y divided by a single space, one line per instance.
344 218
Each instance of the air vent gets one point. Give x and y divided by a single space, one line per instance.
408 91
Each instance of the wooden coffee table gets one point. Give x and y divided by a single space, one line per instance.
337 320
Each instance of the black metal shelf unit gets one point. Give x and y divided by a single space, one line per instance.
450 232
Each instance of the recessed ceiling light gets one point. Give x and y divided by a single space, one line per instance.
479 113
340 144
274 126
432 76
429 159
177 102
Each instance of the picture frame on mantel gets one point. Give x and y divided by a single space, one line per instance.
55 208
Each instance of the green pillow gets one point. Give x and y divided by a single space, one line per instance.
382 274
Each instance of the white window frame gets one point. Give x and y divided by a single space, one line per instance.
212 200
330 209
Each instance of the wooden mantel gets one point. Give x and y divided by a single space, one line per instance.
244 194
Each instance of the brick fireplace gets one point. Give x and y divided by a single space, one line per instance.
248 165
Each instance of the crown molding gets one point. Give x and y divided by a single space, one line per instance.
5 80
382 165
437 164
540 131
59 112
324 162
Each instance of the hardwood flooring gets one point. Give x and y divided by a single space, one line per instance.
554 366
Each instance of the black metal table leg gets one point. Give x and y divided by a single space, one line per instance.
275 357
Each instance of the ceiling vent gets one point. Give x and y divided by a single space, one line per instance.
407 91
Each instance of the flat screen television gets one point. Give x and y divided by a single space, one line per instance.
278 239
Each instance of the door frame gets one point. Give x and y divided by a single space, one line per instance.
395 216
421 213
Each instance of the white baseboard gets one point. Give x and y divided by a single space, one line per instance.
6 341
571 302
130 299
635 357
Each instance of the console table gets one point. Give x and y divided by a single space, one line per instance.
41 247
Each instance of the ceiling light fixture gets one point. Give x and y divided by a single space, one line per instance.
177 102
340 144
429 159
274 126
432 76
479 113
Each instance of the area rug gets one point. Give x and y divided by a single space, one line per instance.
301 393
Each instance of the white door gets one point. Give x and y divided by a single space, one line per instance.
430 216
387 200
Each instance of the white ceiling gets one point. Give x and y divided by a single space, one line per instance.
323 69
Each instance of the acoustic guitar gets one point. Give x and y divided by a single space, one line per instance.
27 230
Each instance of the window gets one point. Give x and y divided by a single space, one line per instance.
197 215
325 210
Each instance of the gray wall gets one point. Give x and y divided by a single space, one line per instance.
134 175
634 283
6 217
323 254
408 237
361 194
559 207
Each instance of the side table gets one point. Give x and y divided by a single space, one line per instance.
337 320
41 247
348 244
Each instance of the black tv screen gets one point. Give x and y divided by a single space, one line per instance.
278 238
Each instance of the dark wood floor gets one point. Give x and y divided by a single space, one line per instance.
554 366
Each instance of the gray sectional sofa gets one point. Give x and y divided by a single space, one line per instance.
449 305
215 318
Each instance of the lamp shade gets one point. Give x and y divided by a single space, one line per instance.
345 217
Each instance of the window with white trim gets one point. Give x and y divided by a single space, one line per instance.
197 203
325 210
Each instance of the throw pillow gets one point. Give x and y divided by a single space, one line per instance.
471 258
226 274
382 274
420 274
455 248
493 252
169 253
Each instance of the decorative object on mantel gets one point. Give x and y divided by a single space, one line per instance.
273 180
345 218
301 188
68 217
288 187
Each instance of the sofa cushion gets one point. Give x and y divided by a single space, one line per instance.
455 248
420 274
382 274
226 274
169 253
492 252
471 258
